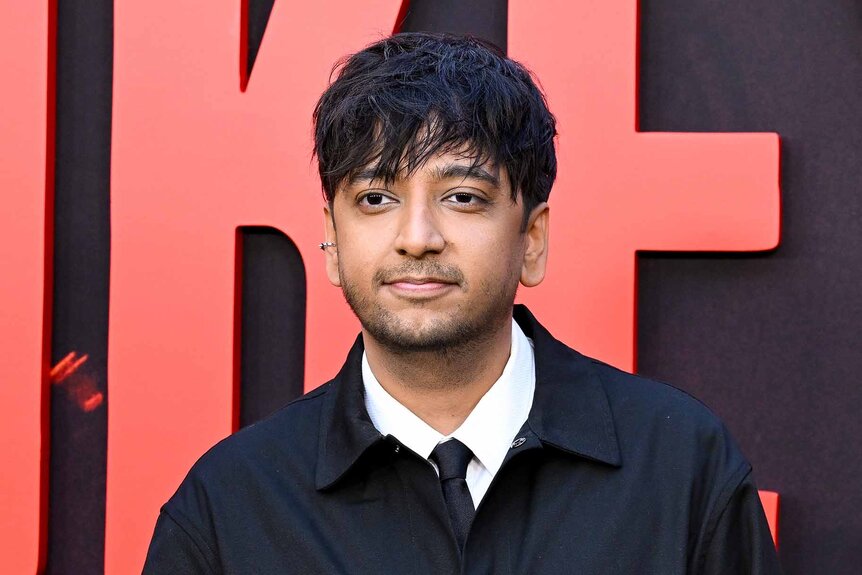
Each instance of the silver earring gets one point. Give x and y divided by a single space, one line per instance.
324 245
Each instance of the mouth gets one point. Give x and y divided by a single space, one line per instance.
422 287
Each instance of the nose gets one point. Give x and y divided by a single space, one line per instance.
419 233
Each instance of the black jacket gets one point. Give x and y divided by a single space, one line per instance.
617 475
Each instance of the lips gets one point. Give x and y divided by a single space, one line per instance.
419 286
418 273
419 281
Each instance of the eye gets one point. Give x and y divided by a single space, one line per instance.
375 200
464 199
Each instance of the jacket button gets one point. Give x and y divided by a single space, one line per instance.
397 448
519 442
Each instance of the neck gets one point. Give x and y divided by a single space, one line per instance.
441 387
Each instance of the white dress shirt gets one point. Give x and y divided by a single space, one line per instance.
489 429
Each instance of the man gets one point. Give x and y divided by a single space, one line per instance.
457 439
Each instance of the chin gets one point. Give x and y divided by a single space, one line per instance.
435 325
427 331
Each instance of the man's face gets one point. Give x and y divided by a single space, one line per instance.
432 261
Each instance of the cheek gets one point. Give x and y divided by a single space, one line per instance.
363 248
496 259
355 264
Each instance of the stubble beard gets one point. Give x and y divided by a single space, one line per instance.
460 333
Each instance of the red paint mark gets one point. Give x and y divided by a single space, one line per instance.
81 388
67 366
85 393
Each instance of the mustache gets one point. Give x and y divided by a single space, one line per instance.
419 269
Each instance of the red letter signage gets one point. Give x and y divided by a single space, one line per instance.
26 161
193 158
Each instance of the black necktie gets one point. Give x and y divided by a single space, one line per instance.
452 458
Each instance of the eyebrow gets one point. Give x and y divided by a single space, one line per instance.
365 175
447 172
462 172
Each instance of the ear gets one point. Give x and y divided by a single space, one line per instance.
329 235
536 250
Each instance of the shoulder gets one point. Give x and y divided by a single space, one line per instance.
290 432
668 435
280 448
236 481
642 401
657 411
651 420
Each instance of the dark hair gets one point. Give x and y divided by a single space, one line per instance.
410 96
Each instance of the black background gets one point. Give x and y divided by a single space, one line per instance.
769 341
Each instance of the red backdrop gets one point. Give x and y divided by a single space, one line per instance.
194 157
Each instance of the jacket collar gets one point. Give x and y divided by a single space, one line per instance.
570 408
346 431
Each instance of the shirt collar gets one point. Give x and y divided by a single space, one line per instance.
390 417
570 409
488 430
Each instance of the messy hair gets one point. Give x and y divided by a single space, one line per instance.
411 96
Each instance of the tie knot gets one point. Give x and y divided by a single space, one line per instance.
452 458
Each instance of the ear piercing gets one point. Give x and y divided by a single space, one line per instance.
324 245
